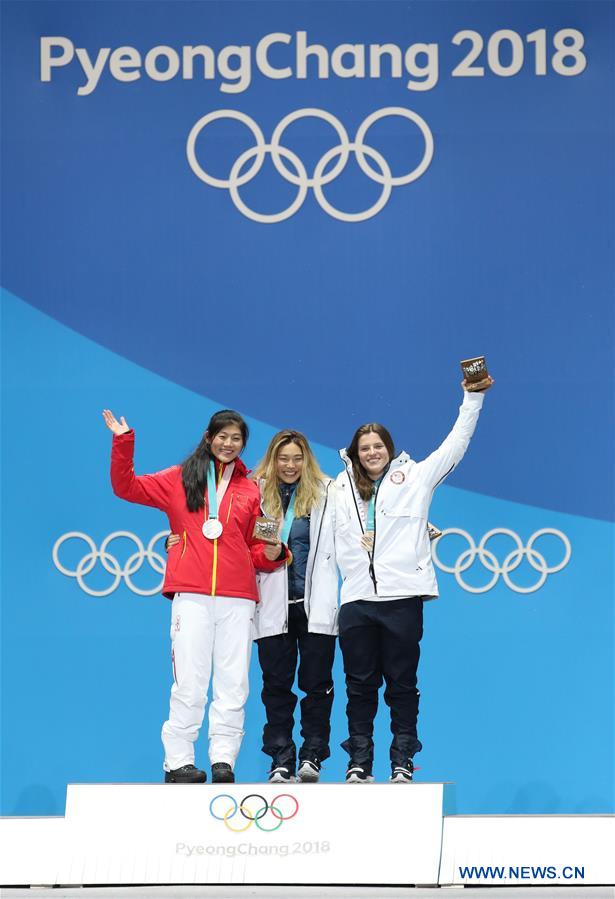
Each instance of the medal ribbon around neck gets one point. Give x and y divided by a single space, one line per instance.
212 528
288 519
371 508
369 520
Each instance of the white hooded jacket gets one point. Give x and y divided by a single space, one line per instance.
321 580
401 564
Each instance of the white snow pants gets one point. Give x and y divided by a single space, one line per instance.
206 632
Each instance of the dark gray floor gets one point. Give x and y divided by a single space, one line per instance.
352 892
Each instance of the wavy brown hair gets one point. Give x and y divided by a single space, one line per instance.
310 486
364 483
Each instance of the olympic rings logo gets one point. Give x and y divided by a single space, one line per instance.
157 561
111 564
510 563
249 813
241 173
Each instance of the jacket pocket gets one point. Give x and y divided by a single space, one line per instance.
402 542
405 509
176 554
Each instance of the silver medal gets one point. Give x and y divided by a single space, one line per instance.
212 528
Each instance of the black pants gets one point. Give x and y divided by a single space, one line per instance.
278 659
381 640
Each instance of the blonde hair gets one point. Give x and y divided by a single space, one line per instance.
310 487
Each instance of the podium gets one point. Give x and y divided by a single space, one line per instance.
300 834
240 834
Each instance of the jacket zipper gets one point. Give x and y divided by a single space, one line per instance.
355 502
322 518
372 572
442 478
286 584
287 590
433 489
214 570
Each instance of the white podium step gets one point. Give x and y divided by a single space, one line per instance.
252 833
126 834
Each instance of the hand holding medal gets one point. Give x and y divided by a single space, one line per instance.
269 531
476 378
266 530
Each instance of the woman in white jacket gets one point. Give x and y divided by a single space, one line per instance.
383 553
296 618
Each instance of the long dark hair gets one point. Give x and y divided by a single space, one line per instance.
364 483
194 468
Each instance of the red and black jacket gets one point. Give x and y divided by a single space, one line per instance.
222 567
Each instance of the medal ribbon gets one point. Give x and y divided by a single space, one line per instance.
371 508
215 496
288 519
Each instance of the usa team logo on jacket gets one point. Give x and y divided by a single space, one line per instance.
397 477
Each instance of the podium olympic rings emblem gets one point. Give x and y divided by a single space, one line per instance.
253 808
111 564
249 163
510 563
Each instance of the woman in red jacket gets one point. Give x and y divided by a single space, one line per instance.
210 577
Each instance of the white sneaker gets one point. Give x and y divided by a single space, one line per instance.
358 775
401 775
281 775
309 772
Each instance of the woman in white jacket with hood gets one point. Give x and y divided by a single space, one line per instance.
296 618
383 553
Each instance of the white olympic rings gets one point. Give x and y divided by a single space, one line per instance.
299 177
510 563
464 561
111 564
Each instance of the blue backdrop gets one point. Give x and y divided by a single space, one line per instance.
134 279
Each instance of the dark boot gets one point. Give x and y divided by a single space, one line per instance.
187 774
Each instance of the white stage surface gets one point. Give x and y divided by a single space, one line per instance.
386 834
